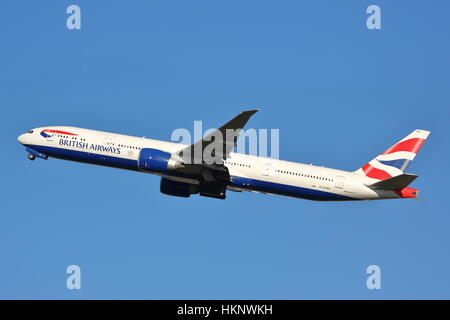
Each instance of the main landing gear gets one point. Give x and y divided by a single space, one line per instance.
31 156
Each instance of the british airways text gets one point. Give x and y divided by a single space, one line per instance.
91 146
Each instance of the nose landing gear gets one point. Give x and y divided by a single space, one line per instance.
33 154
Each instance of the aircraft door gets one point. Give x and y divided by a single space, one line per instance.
266 169
107 141
50 137
340 180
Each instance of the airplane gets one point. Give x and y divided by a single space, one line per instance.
185 172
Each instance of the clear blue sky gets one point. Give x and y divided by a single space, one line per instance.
338 92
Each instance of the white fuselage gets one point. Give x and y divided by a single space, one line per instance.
247 173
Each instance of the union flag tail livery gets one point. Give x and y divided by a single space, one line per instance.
394 161
212 175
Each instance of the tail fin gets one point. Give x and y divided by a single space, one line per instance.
395 160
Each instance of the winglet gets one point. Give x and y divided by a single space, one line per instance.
239 121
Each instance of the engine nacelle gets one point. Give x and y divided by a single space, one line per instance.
176 188
154 160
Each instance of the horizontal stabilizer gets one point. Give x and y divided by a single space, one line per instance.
396 183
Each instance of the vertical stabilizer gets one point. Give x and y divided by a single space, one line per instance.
395 160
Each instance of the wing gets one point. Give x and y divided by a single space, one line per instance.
216 147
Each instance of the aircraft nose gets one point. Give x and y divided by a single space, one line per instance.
21 138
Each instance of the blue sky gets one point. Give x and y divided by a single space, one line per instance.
338 92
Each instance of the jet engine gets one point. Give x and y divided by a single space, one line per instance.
154 160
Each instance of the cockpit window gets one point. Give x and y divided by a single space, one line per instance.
31 131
